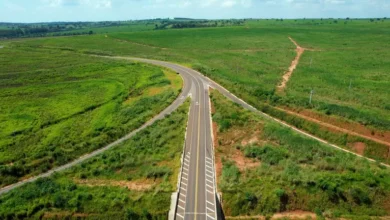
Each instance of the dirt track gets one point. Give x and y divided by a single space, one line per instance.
294 63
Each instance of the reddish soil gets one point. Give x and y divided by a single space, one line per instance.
295 215
359 147
137 185
284 215
336 124
227 146
294 63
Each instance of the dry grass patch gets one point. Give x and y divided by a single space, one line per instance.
136 185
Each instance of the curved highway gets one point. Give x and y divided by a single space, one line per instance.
197 193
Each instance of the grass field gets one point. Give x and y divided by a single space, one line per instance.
250 60
134 180
264 168
61 105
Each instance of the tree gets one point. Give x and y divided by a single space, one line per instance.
90 32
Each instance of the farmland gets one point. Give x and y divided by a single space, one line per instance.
61 105
264 168
134 180
346 71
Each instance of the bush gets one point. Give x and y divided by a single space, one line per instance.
268 154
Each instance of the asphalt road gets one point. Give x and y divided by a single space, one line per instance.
197 187
197 191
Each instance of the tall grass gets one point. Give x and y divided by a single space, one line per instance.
61 105
295 172
151 157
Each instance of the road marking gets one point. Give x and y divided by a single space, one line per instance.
209 216
185 168
180 207
197 162
183 189
182 201
209 162
209 171
184 178
210 176
187 160
208 159
184 183
209 209
209 186
209 191
210 203
209 181
184 174
180 215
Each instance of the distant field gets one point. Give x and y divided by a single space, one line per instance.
133 180
264 168
251 59
58 105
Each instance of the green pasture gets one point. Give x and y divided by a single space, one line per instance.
57 105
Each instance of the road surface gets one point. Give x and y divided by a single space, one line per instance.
197 187
197 192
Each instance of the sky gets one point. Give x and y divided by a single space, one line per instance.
113 10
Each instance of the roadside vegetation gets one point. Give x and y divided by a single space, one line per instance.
264 168
58 105
133 180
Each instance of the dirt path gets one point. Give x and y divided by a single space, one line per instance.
335 127
140 44
282 215
294 63
140 185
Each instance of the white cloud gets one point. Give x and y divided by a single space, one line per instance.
103 4
207 3
228 3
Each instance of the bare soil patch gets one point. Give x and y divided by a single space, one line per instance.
359 147
136 185
339 125
294 63
295 215
229 143
298 214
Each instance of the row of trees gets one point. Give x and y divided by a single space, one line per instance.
197 23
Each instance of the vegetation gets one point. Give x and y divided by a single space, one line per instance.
346 73
133 180
268 168
179 23
61 105
17 30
